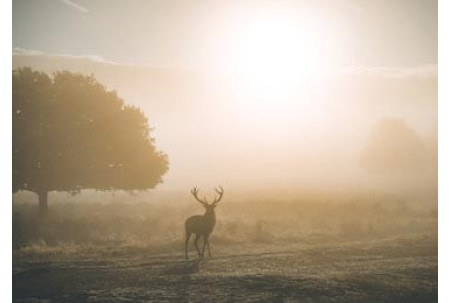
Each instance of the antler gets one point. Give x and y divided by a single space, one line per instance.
194 192
220 191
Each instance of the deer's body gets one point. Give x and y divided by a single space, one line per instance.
201 225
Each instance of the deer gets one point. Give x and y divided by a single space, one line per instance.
202 225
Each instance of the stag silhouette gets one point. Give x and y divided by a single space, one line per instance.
202 225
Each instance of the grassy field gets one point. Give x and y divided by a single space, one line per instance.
354 249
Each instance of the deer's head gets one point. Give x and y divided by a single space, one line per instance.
208 206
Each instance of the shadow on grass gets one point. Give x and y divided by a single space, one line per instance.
183 268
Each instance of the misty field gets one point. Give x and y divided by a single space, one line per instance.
265 248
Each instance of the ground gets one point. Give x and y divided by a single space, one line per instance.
390 270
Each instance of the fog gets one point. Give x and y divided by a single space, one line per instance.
323 131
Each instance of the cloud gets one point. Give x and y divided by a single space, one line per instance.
76 6
421 71
426 71
18 51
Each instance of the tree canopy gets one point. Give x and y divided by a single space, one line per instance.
71 133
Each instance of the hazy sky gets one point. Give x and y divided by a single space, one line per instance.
197 34
290 112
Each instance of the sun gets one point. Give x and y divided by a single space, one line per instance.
274 45
274 54
279 61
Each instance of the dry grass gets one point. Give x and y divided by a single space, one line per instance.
308 248
307 219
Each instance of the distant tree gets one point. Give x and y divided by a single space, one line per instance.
70 133
394 148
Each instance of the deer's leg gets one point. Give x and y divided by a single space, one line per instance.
197 237
205 240
209 250
188 236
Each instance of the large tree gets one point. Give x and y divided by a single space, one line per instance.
70 133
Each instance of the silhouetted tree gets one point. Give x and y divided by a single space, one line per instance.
70 133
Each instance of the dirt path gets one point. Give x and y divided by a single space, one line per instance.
383 271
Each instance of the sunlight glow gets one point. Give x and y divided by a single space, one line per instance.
279 61
274 54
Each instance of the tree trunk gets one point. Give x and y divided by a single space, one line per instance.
43 205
